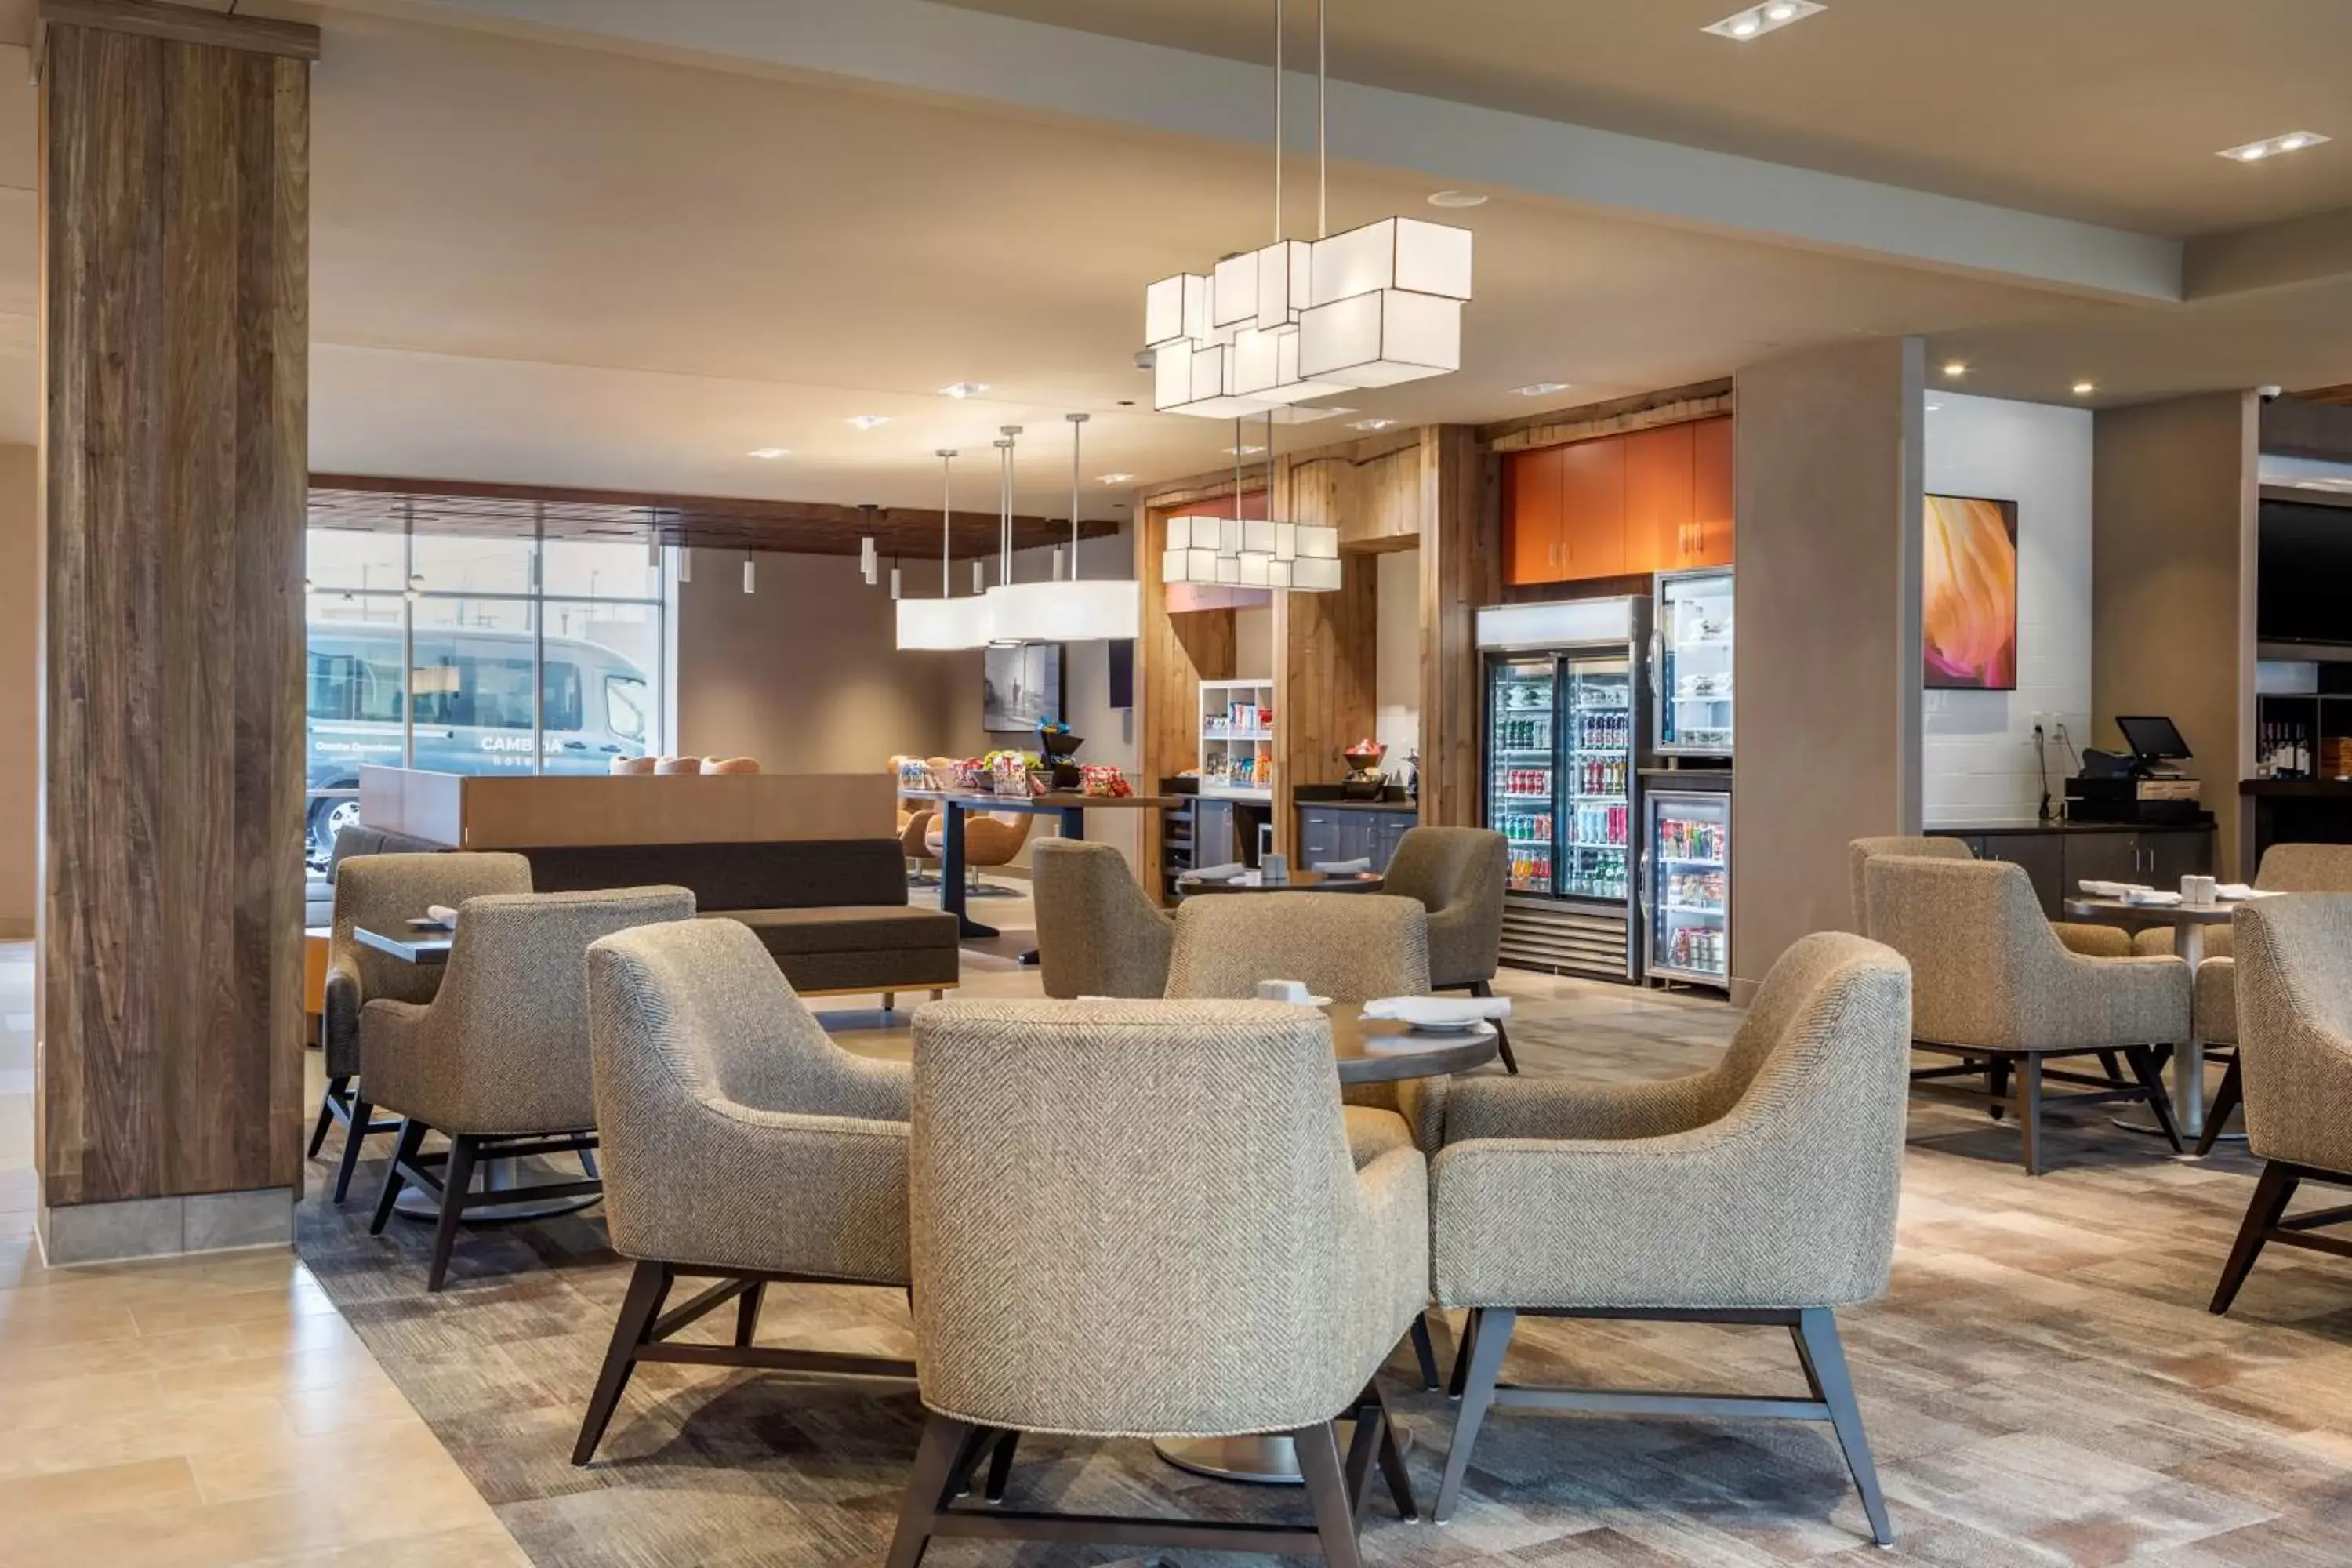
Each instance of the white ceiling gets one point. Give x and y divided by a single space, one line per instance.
539 261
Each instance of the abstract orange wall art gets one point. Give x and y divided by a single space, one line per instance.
1969 583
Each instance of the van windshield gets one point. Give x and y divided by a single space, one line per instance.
625 707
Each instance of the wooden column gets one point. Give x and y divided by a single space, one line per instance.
1460 540
174 224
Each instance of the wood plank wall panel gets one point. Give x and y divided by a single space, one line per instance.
1174 654
1326 646
1459 571
174 221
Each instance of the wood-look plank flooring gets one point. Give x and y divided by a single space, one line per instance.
2043 1384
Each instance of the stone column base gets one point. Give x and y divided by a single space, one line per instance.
165 1227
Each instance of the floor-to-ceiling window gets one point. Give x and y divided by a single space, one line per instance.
475 654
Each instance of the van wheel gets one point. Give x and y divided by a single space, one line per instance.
327 819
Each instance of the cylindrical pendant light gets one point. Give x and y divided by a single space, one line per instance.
750 580
869 555
686 563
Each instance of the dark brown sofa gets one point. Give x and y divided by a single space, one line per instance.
833 913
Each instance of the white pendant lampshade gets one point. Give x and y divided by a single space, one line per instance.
1088 610
1381 338
1405 253
946 622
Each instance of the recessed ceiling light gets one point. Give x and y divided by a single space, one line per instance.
1115 479
1372 424
2084 388
1540 388
770 452
1243 451
1759 20
1458 199
1956 368
2255 151
868 421
964 389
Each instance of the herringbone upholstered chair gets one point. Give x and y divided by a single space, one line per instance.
1993 987
1141 1219
2090 941
739 1144
1762 1191
384 893
2286 868
2295 1049
1458 875
1097 933
498 1060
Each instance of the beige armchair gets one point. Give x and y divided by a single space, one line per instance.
498 1060
2286 868
1993 987
1458 875
1097 933
1187 1252
1762 1191
2295 1049
2090 941
739 1144
384 893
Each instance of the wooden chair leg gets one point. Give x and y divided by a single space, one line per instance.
2151 1080
355 1133
1327 1493
2269 1204
1501 1034
1490 1336
1424 1351
943 1453
747 1311
1000 1466
2029 1072
335 1086
412 1140
456 1183
1817 1345
648 1287
1997 1080
2226 1101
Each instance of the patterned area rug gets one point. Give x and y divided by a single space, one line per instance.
2042 1385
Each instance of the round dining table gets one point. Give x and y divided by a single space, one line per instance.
1190 883
2188 921
1369 1050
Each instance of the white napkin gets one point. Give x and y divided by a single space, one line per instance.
1419 1010
1341 868
442 912
2234 891
2111 890
2152 898
1224 873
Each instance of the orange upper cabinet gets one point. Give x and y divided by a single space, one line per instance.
1658 489
1532 547
1711 505
1592 508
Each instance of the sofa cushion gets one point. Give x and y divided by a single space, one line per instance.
856 928
813 873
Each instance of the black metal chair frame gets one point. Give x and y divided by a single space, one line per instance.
349 1106
1337 1491
1995 1063
1478 1365
1502 1036
643 1330
448 1175
2266 1221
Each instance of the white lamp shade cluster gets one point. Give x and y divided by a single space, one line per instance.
1300 557
1372 307
1067 611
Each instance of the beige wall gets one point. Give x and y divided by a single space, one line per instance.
803 674
2172 572
1827 672
20 686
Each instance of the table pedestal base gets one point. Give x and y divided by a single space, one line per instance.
1267 1460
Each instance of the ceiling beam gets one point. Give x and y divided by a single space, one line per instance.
946 50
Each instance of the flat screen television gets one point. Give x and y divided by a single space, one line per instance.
2302 592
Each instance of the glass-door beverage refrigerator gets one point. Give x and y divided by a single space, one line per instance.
1563 730
1686 894
1690 667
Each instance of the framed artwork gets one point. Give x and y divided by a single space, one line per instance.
1968 579
1021 687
